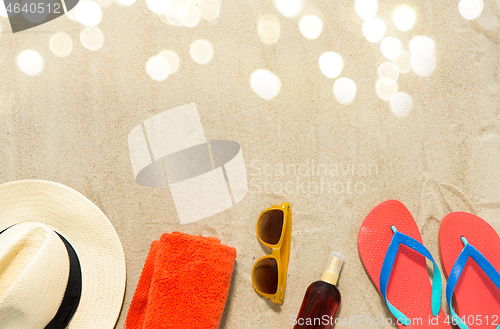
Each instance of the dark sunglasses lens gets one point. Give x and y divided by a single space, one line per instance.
265 276
271 225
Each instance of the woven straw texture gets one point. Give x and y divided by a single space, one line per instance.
90 233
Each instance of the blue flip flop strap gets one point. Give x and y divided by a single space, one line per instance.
385 273
468 251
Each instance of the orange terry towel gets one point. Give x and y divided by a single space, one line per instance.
184 284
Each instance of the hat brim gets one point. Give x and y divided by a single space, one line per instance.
91 234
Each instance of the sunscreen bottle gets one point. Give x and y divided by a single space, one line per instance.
322 298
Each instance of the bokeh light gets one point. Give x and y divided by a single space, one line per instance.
421 45
164 19
390 47
401 104
61 44
125 2
92 38
423 60
265 84
88 13
158 68
288 8
310 26
344 90
269 28
366 9
210 9
374 29
388 72
470 9
403 61
30 62
170 16
188 14
331 64
201 51
172 58
158 6
423 65
385 91
3 11
404 17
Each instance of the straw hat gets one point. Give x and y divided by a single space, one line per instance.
58 253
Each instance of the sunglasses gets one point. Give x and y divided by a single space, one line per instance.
274 229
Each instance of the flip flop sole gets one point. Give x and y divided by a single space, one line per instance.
476 296
409 287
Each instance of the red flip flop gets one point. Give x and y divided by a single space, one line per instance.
391 250
470 253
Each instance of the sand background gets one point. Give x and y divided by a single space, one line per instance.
70 125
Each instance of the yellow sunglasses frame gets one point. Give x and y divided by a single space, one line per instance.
280 252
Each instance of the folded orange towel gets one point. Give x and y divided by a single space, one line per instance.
184 284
